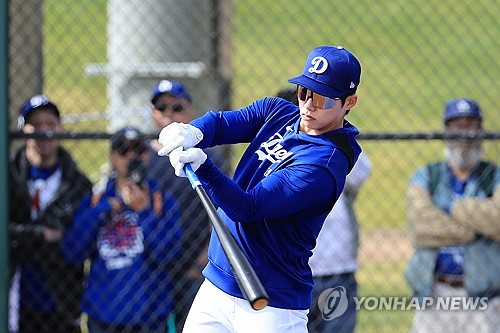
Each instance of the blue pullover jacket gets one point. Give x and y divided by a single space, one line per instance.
130 252
283 187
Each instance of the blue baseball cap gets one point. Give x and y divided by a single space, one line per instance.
173 88
127 137
462 107
36 102
331 71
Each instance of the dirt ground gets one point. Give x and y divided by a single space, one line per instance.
384 245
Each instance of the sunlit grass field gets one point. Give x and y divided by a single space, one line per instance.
409 54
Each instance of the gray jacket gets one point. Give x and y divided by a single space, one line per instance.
437 219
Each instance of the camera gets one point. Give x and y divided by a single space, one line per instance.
137 172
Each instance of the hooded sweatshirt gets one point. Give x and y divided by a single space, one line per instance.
284 186
129 282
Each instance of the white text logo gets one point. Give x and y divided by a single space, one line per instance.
274 151
319 65
333 303
451 303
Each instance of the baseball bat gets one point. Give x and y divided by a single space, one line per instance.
248 281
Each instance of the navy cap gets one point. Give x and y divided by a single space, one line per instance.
174 88
127 133
331 71
462 107
36 102
128 138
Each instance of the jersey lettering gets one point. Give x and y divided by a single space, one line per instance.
273 150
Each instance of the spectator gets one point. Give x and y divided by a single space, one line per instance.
129 230
290 94
45 187
288 179
334 259
453 209
171 102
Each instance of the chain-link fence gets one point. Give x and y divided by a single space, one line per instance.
100 60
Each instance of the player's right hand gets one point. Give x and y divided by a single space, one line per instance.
193 156
178 135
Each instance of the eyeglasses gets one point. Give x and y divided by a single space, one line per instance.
123 147
317 100
176 107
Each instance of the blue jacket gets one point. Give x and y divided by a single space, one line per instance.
129 282
284 186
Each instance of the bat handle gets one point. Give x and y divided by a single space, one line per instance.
193 178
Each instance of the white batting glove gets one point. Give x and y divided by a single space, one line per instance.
178 135
194 156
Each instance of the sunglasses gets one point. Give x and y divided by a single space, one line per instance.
319 101
463 124
176 107
123 147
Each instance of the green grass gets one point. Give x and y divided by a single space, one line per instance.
379 279
384 321
415 56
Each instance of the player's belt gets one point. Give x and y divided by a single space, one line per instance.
452 281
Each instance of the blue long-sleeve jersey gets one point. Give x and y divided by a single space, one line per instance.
130 252
283 187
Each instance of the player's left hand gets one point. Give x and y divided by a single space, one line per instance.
178 135
193 156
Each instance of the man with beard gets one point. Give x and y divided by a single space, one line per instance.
453 209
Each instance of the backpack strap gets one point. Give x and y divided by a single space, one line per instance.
486 177
433 169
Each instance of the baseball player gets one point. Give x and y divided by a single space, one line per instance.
286 183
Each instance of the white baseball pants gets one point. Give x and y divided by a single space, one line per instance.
215 311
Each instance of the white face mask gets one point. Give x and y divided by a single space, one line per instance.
463 156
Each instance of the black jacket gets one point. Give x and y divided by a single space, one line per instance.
27 243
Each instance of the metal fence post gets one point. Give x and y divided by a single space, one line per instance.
25 52
136 64
4 138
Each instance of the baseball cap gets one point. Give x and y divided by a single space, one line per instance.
461 107
126 138
174 88
36 102
331 71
